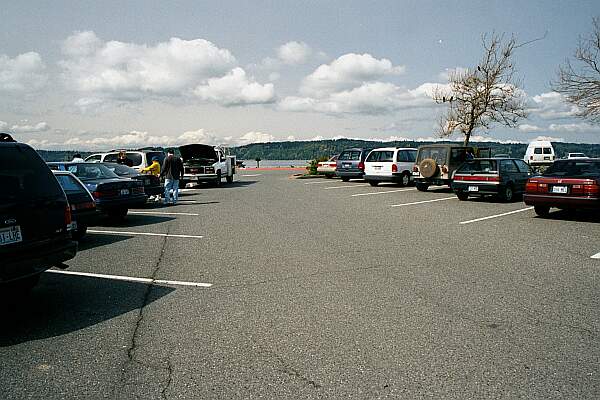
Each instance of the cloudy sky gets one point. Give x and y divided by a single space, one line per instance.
94 75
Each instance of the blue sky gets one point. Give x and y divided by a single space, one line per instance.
95 75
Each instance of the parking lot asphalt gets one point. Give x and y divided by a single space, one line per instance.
282 288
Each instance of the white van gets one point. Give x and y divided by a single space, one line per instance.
139 159
539 152
390 164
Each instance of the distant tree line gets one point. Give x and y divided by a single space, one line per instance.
326 148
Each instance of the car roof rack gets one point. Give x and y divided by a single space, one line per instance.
6 138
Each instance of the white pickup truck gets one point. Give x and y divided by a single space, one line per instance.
205 163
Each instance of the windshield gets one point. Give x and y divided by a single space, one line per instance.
574 169
70 184
121 170
89 171
479 167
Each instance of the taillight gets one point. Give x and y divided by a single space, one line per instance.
586 189
108 193
493 179
459 178
394 168
68 219
531 187
361 166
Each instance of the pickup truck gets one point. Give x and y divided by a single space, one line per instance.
205 163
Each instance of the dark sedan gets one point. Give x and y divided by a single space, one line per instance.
113 195
566 184
152 186
81 202
502 177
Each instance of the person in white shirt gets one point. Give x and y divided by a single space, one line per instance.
77 158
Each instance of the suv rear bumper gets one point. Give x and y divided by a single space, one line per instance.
35 259
350 174
396 177
434 181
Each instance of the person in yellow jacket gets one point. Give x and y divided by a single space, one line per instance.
153 169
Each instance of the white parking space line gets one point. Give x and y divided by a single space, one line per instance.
384 192
496 216
596 256
423 202
345 187
316 183
188 190
131 279
163 213
143 234
249 175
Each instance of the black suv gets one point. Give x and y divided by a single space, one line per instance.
34 217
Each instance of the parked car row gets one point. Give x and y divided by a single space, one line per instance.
471 172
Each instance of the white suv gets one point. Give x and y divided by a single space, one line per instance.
139 158
390 164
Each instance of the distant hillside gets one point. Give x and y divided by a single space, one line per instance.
310 150
316 149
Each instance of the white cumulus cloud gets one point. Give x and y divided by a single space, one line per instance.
115 70
347 72
294 53
551 105
24 73
255 137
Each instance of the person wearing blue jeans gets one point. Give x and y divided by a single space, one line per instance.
172 171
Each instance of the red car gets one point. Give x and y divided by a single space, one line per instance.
566 184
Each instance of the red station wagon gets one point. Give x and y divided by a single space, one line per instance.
566 184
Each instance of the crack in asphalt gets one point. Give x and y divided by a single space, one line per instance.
133 344
286 368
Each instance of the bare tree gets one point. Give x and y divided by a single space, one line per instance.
581 83
485 95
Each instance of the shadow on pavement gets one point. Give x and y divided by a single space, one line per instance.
136 220
574 216
93 240
63 304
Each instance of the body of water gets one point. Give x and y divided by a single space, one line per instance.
276 163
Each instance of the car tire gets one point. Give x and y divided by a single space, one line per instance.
462 196
422 187
404 179
80 232
542 211
373 183
507 195
345 179
229 178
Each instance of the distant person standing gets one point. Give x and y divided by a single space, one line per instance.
172 171
77 158
124 160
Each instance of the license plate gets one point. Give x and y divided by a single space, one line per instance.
347 165
124 192
377 168
10 235
559 189
473 188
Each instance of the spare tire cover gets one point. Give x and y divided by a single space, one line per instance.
428 167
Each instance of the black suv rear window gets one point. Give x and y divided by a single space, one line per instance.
574 169
24 175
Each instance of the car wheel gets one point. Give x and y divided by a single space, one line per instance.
462 196
422 187
507 194
404 179
229 178
373 183
79 233
345 179
542 211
